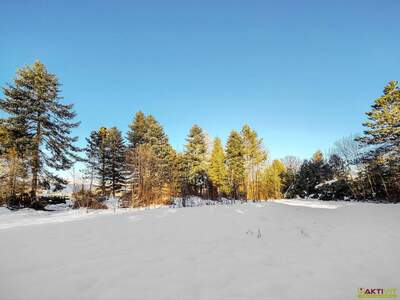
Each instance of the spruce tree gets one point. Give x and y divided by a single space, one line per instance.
217 170
34 98
235 163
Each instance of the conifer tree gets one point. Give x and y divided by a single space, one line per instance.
138 130
195 161
254 157
151 161
34 99
235 163
116 167
98 156
338 187
312 173
272 180
382 135
217 170
383 125
13 163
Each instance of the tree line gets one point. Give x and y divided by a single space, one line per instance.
148 170
36 143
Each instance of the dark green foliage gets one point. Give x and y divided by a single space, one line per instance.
105 156
36 112
383 125
97 157
312 173
115 167
25 200
336 190
382 141
194 162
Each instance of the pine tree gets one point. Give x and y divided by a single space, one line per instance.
383 125
195 161
97 157
34 98
151 161
312 173
115 167
339 187
254 157
14 161
382 135
272 184
217 170
138 129
235 163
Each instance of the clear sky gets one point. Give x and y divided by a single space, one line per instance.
301 73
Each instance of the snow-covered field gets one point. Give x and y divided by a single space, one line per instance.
287 249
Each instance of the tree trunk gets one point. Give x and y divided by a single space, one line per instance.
384 186
36 162
13 172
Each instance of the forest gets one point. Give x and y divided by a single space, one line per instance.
142 168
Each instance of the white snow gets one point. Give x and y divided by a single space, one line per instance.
194 201
328 182
286 249
313 203
61 213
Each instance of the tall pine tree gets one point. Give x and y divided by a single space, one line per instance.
151 161
116 166
217 170
196 162
235 163
34 98
254 157
382 136
98 156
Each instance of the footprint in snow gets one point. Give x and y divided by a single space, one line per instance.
303 232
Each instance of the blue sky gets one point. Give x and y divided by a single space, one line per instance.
301 73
